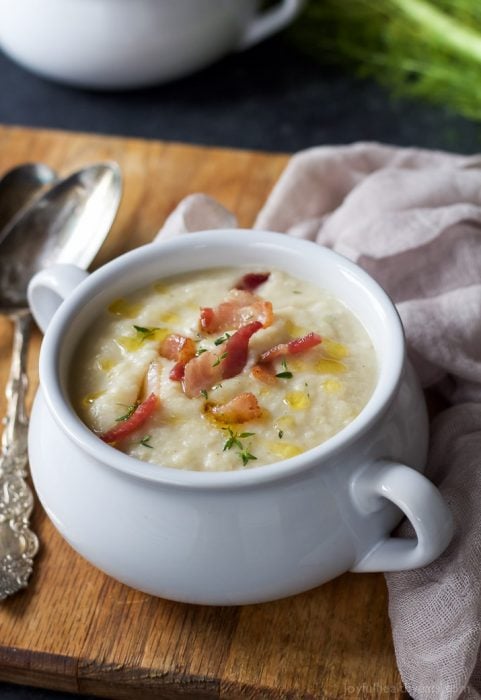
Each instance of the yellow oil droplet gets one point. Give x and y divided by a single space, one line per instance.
174 420
264 391
159 334
298 400
160 287
297 365
284 422
88 399
106 363
129 342
124 308
284 450
332 386
334 349
294 330
170 317
326 366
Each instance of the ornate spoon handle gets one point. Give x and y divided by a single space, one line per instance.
18 544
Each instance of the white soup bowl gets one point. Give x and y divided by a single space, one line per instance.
258 533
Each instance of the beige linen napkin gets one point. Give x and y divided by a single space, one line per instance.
412 219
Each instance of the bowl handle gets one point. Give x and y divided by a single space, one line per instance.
420 502
48 289
269 22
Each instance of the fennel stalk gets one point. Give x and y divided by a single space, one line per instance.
415 47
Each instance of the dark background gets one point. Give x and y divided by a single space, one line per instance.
270 98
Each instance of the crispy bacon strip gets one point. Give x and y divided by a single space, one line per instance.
240 308
236 349
125 428
204 371
293 347
240 409
177 347
252 280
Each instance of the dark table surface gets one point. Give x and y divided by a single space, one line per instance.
270 98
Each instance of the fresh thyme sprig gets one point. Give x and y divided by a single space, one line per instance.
234 440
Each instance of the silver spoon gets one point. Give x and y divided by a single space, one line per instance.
19 186
67 224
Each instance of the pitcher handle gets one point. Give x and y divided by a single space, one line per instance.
269 22
421 503
48 289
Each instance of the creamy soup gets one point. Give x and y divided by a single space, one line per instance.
223 369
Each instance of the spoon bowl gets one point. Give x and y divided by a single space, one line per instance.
19 187
67 224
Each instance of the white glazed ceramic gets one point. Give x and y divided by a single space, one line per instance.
250 535
130 43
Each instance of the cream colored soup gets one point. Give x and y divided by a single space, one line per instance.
315 394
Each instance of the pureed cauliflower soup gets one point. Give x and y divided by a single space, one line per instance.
223 369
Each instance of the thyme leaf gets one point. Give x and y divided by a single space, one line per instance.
285 374
222 339
130 410
146 332
220 358
145 441
246 457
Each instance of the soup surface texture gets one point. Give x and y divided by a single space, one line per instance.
223 369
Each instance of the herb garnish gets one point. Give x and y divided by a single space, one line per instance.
130 410
285 374
145 441
222 339
204 393
234 440
280 434
219 359
246 457
200 351
146 332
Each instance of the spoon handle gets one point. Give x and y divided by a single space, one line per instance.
18 544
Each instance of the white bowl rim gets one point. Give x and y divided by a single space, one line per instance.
108 456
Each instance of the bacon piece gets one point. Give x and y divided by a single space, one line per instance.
177 347
240 409
125 428
204 371
264 374
236 349
239 308
252 280
293 347
201 373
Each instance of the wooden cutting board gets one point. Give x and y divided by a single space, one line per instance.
76 629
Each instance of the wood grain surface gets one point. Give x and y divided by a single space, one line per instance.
76 629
